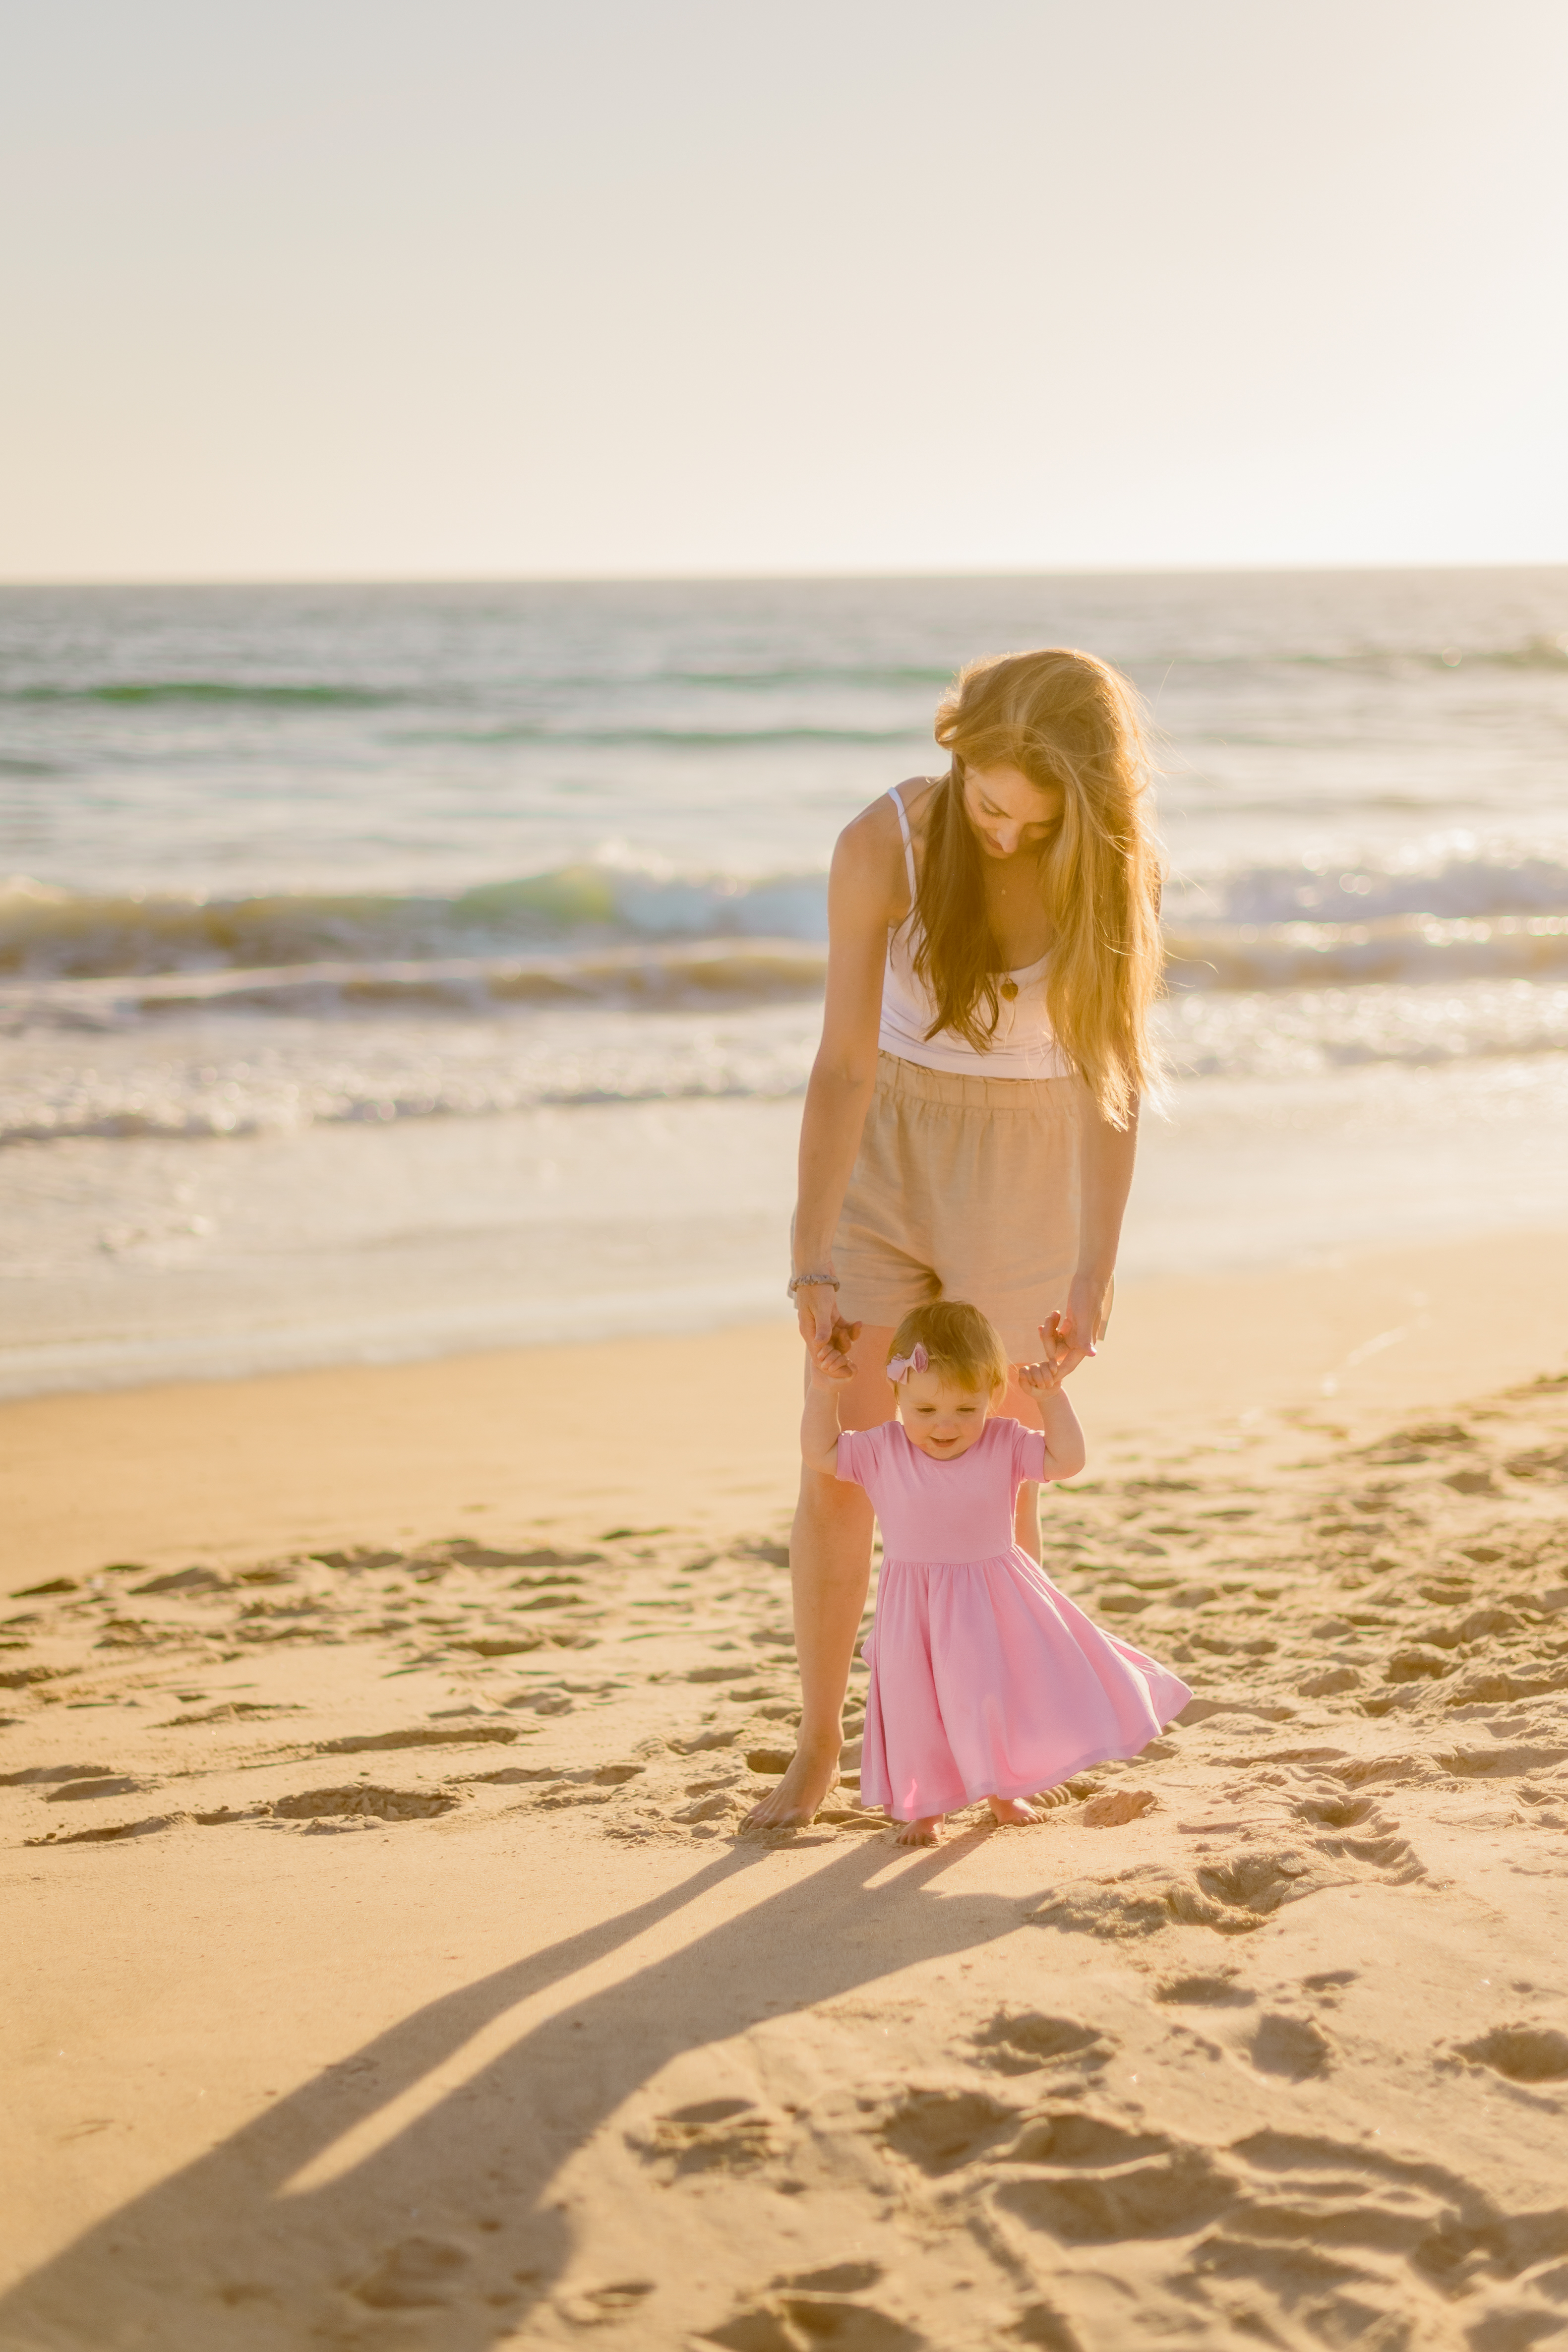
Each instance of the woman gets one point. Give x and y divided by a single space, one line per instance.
970 1120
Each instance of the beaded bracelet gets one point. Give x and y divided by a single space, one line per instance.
810 1282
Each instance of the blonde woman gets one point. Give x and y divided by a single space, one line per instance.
970 1120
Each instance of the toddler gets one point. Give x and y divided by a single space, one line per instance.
985 1680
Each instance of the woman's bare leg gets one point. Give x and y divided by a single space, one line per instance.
830 1568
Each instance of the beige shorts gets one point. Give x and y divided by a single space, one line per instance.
964 1188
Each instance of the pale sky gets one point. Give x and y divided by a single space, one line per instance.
361 289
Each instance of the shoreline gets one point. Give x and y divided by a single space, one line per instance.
697 1431
146 1260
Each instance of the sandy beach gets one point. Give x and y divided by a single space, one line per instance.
385 1969
514 694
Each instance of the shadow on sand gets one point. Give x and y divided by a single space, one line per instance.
444 2235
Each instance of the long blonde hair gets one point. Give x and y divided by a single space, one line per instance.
1063 719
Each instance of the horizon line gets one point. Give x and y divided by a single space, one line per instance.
415 579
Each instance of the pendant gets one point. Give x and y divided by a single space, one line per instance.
1009 989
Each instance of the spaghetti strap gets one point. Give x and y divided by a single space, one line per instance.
897 800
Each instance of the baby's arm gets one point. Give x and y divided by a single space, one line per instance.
1066 1452
819 1422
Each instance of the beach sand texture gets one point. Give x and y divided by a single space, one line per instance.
390 1973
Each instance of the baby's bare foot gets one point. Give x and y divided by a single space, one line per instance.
927 1831
813 1771
1011 1812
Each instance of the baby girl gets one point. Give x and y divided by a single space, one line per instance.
986 1681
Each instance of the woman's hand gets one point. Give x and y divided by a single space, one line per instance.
817 1314
1073 1332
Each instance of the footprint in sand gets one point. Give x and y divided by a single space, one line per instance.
366 1743
420 2274
242 1710
1523 2053
1291 2046
1070 2138
594 2306
1336 1812
1497 1763
1023 2043
1165 2196
939 2130
710 2136
98 1784
108 1833
1363 2246
803 2313
1327 1984
1115 1808
363 1801
1220 1991
1234 1894
1038 2324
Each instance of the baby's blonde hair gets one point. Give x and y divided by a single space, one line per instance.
959 1342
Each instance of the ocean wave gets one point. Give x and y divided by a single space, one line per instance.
219 694
610 928
224 692
651 977
655 976
1534 653
1304 1033
52 934
836 674
635 679
1391 948
1478 882
192 1077
1542 651
674 739
273 1076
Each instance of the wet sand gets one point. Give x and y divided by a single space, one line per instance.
387 1971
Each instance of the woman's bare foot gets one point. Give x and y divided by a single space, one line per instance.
927 1831
1011 1812
812 1773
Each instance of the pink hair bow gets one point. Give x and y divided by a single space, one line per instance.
901 1367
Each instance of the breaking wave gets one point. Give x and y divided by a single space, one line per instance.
608 931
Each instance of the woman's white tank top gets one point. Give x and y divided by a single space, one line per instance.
1025 1045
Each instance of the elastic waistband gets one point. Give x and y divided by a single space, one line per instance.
912 1082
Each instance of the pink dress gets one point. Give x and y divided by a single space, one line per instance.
985 1680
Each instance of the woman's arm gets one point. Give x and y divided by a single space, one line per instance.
1106 1155
866 895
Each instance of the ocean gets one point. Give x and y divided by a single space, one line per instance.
392 970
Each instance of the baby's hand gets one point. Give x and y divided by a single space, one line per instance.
1044 1377
829 1368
